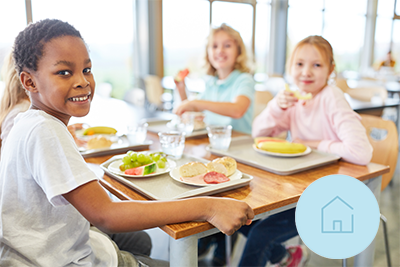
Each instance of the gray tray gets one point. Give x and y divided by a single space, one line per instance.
163 187
122 146
157 125
241 149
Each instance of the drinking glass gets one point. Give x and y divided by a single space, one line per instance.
172 143
137 133
219 136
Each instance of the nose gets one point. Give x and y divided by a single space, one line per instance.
82 81
306 71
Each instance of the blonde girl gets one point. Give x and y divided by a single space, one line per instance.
325 122
228 97
14 100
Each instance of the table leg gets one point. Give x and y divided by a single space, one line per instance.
366 258
183 252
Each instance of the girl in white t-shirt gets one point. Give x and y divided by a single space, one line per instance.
49 196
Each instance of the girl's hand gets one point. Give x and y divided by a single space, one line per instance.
228 215
286 99
180 86
185 106
312 143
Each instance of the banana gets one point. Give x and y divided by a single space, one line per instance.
282 147
297 93
99 130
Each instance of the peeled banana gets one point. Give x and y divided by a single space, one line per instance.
259 140
99 130
282 147
297 93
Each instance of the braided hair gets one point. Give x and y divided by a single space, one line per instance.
29 44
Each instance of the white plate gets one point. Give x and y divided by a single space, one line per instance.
114 168
283 155
174 173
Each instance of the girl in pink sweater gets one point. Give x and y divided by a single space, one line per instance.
326 121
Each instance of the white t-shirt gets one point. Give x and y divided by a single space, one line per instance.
38 226
9 119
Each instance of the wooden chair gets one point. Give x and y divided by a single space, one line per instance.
155 95
261 99
382 135
362 93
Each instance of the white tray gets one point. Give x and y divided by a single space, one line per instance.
122 146
157 126
164 187
241 149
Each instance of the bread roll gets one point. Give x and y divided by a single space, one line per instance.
99 142
192 169
229 163
217 167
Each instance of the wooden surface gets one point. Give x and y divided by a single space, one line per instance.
266 192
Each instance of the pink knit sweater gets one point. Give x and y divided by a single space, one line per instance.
326 117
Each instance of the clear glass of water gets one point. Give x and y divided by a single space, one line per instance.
172 143
137 133
219 136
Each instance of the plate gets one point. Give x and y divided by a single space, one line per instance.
174 173
283 155
176 127
114 168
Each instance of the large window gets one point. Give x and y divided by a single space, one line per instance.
107 28
12 21
341 22
385 34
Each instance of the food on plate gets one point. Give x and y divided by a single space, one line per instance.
192 169
229 163
215 178
99 130
142 170
259 140
214 172
181 75
217 167
297 94
98 142
134 159
277 146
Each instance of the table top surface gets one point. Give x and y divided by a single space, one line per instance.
266 192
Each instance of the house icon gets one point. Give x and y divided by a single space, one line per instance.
337 217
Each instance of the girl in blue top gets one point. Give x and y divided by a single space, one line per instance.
228 98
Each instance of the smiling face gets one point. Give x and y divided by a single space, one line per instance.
310 71
63 85
222 53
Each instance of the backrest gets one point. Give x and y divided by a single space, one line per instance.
154 89
342 84
382 135
261 99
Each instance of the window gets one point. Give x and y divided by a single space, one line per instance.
12 21
107 28
341 22
262 38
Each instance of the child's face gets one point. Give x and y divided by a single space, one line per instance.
64 82
222 52
309 70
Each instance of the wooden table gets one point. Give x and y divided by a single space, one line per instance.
267 194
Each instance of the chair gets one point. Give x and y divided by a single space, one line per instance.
261 99
155 95
363 93
382 135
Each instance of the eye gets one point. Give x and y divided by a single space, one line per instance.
299 64
317 65
228 45
87 70
64 72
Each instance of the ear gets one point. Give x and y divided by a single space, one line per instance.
27 81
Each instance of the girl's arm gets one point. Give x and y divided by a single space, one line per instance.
235 109
94 204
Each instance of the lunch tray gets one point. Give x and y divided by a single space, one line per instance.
241 149
122 146
157 125
164 187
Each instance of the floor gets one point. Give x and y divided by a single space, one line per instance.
389 205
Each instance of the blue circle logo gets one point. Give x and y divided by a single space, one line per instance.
337 216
